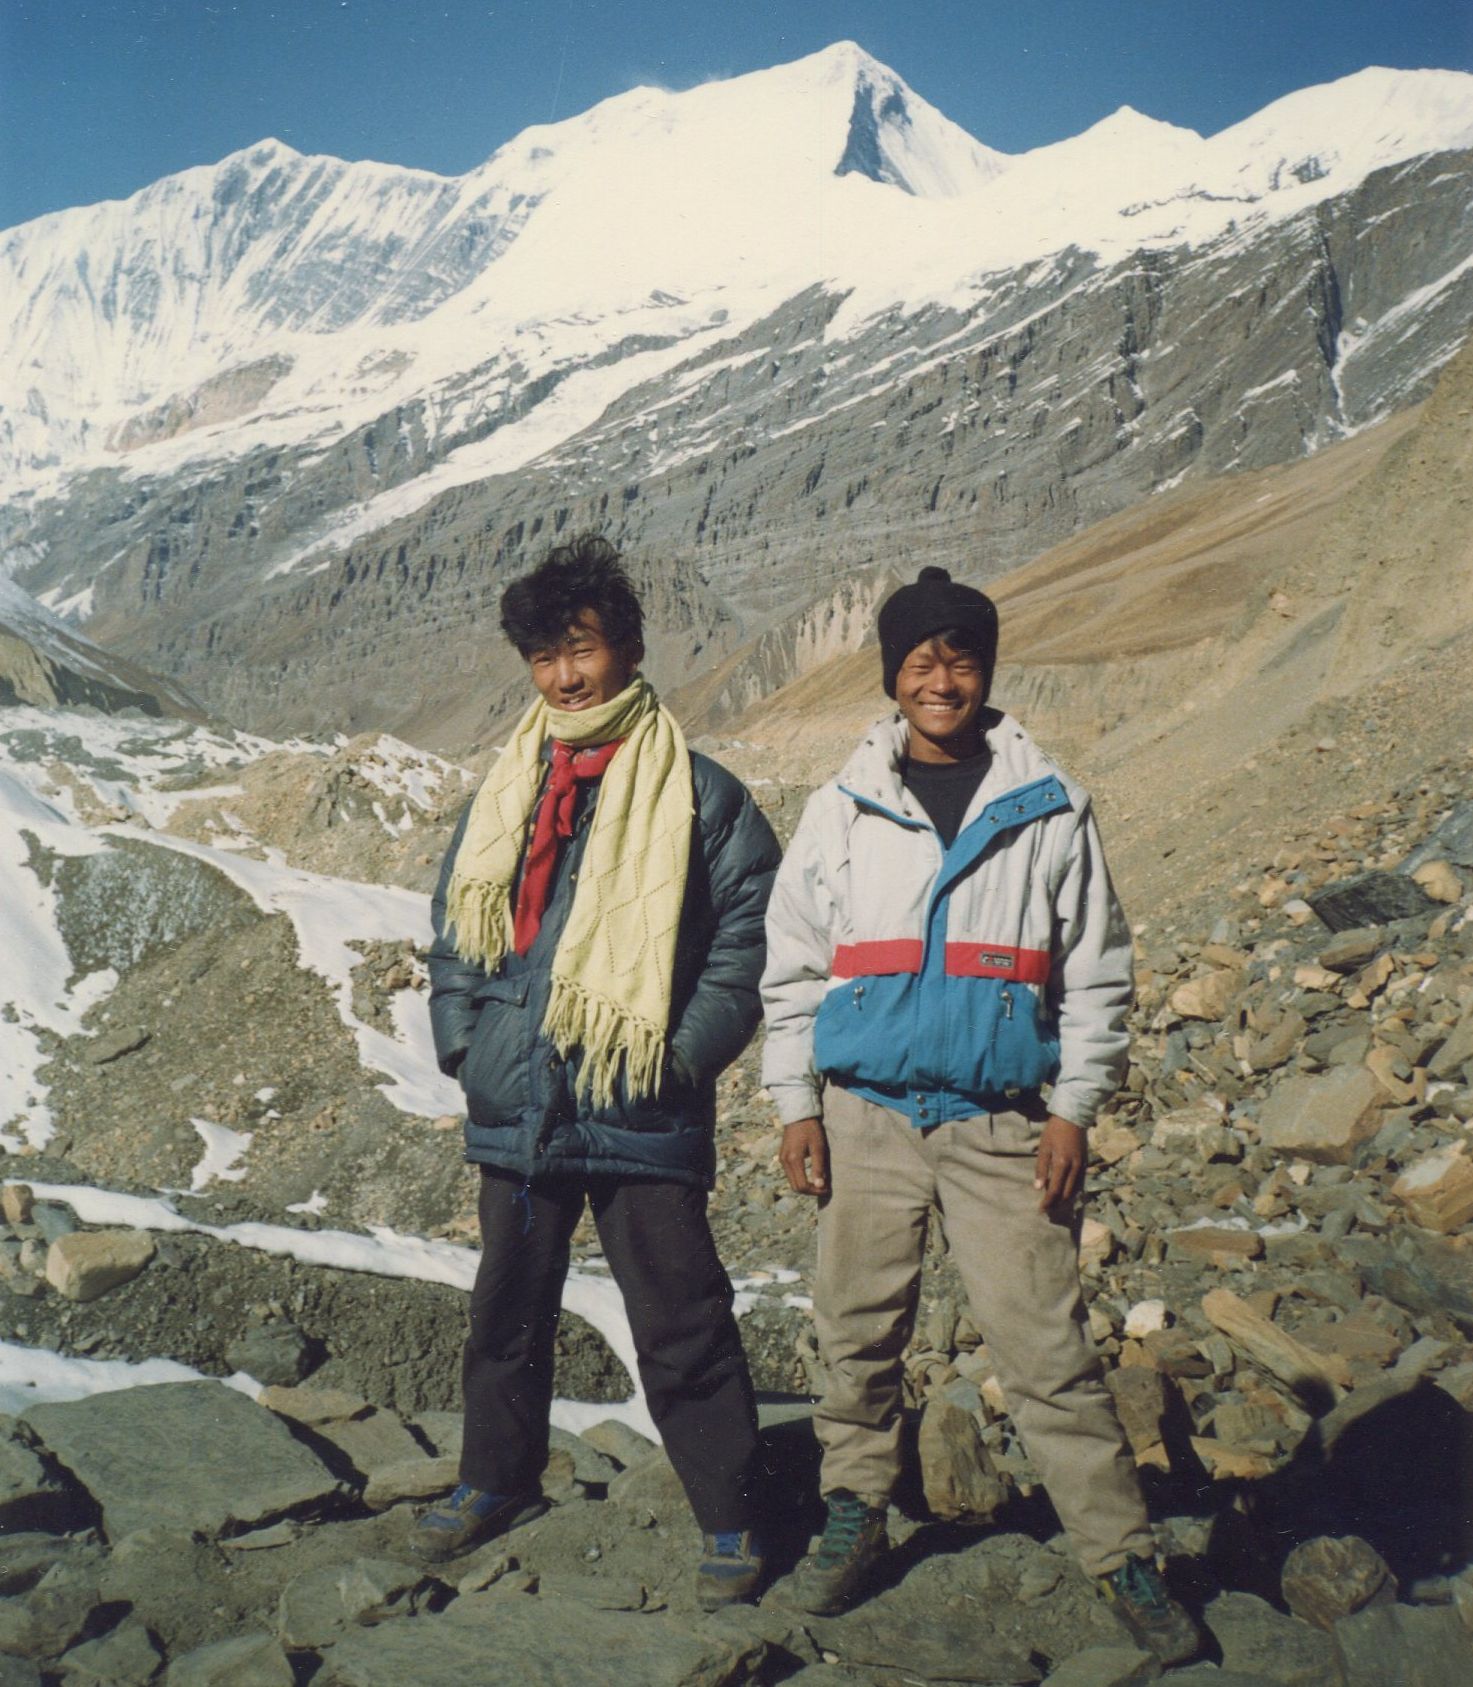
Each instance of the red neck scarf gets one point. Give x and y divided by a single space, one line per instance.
570 767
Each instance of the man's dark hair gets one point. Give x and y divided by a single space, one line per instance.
585 573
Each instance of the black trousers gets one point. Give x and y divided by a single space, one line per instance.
678 1300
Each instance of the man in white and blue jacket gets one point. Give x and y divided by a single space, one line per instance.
947 982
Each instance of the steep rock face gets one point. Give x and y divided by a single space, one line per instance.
46 663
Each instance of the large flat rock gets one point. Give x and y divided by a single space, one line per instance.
191 1455
535 1642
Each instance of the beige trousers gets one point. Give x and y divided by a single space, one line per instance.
1020 1269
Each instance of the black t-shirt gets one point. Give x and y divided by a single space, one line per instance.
945 789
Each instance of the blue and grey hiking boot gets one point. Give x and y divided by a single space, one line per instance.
467 1518
853 1542
1138 1597
730 1571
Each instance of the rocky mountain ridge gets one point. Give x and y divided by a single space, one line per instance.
981 364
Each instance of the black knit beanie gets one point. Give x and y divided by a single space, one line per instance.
933 603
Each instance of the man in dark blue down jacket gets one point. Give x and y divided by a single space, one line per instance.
598 945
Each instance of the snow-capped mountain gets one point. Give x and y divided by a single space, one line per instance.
251 388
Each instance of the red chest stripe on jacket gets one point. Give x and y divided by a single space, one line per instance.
871 960
995 960
963 960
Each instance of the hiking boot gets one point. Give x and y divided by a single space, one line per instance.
853 1542
1138 1597
467 1518
730 1571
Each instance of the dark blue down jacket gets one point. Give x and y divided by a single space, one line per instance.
521 1112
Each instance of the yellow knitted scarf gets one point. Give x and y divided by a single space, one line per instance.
611 974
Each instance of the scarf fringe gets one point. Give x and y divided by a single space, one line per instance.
607 1033
480 911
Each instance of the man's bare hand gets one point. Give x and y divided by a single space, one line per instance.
804 1156
1059 1169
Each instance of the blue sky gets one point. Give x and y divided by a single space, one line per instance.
100 97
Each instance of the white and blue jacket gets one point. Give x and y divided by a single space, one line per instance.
946 982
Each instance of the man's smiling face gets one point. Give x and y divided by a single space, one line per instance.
583 669
940 691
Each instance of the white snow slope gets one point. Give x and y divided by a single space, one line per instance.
122 762
276 297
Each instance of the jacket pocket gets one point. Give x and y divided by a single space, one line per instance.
996 1043
862 1030
494 1075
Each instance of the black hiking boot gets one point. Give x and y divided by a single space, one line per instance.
1138 1597
853 1542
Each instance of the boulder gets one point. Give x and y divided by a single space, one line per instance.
1214 1246
128 1657
17 1203
1437 1190
550 1642
1207 997
1257 1640
419 1478
1368 899
320 1606
938 1645
650 1489
193 1455
30 1496
957 1473
1107 1666
1404 1646
1329 1578
314 1406
1439 881
89 1263
277 1353
245 1660
1140 1403
1323 1118
615 1439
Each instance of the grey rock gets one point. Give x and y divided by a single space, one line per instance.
590 1466
418 1478
193 1454
173 1580
55 1614
554 1643
616 1440
1404 1646
54 1220
957 1471
650 1489
1329 1577
1258 1640
374 1441
1107 1666
942 1646
246 1660
1323 1118
25 1558
277 1354
320 1605
1450 840
1369 899
30 1496
91 1263
127 1657
112 1045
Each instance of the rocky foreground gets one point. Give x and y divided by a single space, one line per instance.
1278 1248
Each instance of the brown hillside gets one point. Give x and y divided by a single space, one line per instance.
1215 660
